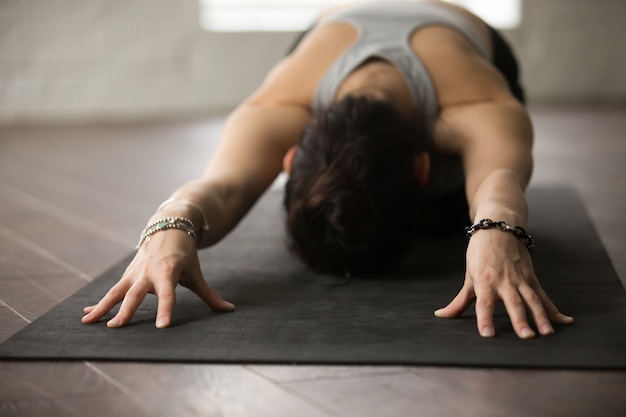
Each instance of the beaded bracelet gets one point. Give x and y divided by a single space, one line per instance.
205 227
518 231
180 223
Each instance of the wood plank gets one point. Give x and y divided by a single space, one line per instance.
17 260
10 322
62 389
533 392
109 406
92 406
25 298
34 295
584 148
37 380
65 167
471 392
208 390
288 373
42 407
83 214
399 394
84 250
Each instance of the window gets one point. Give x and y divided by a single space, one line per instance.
501 14
260 15
296 15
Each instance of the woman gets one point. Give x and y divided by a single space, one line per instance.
382 115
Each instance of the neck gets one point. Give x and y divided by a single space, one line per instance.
379 80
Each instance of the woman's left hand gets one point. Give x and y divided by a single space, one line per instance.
499 268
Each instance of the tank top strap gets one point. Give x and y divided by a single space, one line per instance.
384 31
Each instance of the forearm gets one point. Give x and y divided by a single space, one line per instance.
200 199
500 196
247 161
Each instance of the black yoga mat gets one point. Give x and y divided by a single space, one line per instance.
286 314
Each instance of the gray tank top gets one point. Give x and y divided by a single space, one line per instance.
384 32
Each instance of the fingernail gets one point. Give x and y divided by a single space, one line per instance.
567 319
527 333
546 329
114 322
438 312
487 332
161 323
230 305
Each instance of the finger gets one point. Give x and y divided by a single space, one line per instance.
459 304
110 300
88 309
515 307
166 296
561 318
536 306
485 301
133 298
207 294
553 312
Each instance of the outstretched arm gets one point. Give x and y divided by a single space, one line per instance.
495 141
248 159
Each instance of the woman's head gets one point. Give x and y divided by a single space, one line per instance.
353 195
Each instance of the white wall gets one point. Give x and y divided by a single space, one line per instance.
573 50
110 60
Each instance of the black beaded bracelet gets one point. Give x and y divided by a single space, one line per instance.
518 231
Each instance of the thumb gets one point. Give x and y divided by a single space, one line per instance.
207 294
459 304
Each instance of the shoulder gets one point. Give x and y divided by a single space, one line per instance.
490 124
459 71
296 77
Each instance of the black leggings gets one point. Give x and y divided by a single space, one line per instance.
505 62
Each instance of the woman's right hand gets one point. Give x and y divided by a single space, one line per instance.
168 259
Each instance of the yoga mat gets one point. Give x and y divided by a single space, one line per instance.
286 314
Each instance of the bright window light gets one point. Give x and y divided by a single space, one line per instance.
297 15
260 15
501 14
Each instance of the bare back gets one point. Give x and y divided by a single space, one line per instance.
460 75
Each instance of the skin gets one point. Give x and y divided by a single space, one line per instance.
478 119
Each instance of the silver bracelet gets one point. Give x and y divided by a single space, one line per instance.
180 223
518 231
205 227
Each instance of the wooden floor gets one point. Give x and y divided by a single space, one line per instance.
72 203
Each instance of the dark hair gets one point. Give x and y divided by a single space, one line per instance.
352 198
